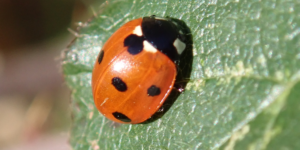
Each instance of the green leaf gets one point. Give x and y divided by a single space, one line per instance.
246 61
274 128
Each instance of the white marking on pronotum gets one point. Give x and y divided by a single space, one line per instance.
104 101
179 45
138 31
148 47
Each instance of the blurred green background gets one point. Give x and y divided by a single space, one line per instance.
34 102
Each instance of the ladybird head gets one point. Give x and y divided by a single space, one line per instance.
165 35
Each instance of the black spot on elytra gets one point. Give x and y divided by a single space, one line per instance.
101 54
121 117
153 90
119 84
134 43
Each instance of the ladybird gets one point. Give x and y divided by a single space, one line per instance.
136 69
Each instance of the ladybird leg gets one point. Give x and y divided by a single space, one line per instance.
178 87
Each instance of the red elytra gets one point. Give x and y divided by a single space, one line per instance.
129 82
